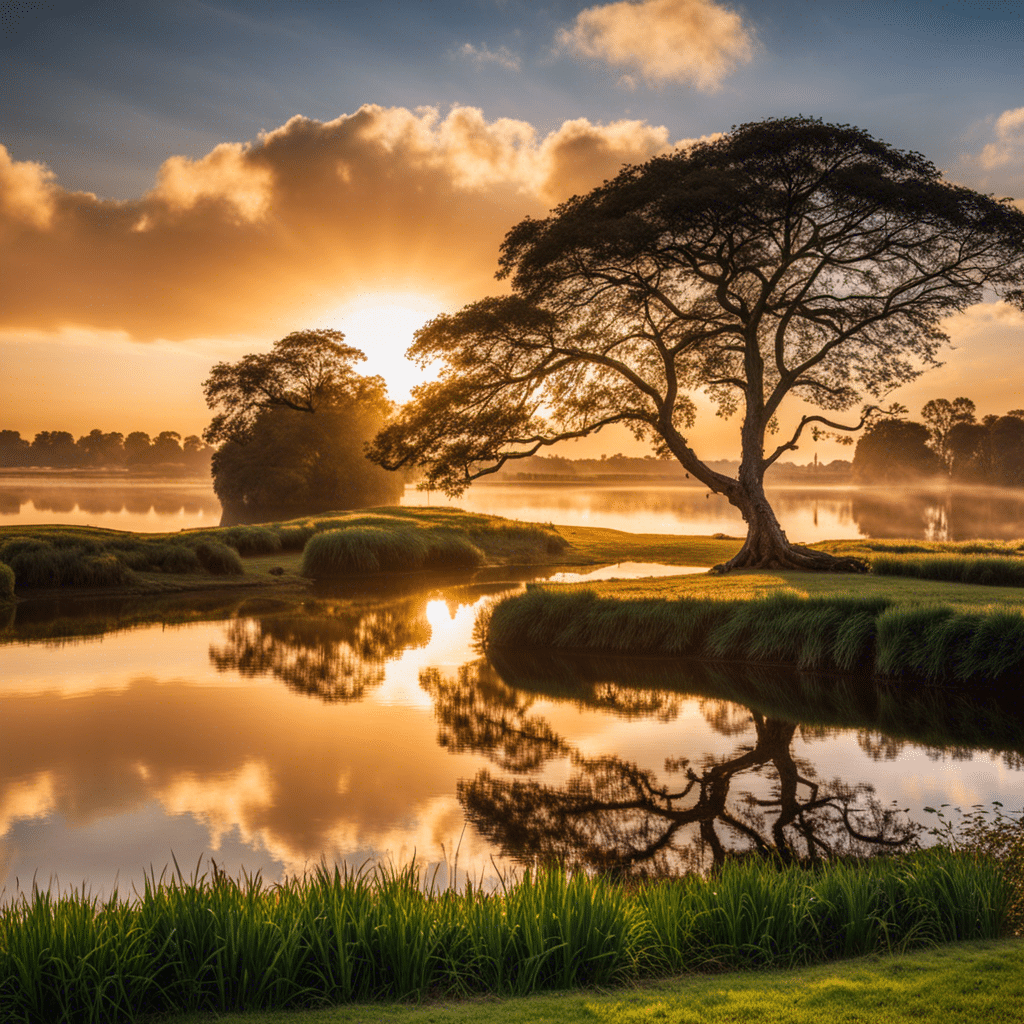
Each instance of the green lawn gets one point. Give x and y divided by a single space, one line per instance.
955 984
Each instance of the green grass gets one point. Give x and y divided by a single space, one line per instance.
978 570
58 557
217 944
871 635
961 984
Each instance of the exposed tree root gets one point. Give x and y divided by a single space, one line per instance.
789 556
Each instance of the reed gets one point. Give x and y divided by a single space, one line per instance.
867 635
213 943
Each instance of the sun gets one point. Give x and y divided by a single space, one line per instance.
382 324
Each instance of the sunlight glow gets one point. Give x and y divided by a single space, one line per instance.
382 325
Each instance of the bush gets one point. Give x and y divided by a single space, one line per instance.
6 582
218 559
367 549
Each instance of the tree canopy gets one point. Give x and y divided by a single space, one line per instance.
292 430
788 259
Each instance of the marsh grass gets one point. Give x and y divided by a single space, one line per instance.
404 540
866 635
983 570
214 943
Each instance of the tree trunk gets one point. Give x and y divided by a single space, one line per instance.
767 546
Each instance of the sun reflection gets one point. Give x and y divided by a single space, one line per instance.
382 325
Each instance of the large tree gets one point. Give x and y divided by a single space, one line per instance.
789 259
292 429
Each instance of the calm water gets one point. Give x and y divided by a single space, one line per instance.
807 514
361 724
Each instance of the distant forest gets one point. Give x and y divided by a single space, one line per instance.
167 454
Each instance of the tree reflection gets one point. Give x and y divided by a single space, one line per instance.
615 815
333 653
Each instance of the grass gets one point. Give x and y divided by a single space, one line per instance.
871 635
213 943
59 557
962 984
979 570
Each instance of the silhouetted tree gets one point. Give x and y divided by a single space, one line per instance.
1006 444
14 449
55 448
293 429
940 416
787 258
895 452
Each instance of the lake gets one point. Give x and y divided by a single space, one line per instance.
361 725
807 514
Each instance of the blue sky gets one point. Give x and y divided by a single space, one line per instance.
103 93
105 98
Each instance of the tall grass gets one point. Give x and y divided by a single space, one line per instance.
867 635
367 549
213 943
985 570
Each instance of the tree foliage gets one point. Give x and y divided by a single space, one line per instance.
787 259
292 430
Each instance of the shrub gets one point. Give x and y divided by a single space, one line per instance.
6 582
218 559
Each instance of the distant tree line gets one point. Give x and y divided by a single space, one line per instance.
138 452
623 468
951 443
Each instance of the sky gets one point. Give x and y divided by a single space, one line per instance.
184 182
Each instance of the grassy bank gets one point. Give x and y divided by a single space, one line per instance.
870 634
960 984
63 557
216 944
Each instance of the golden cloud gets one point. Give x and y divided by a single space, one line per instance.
694 42
257 237
26 191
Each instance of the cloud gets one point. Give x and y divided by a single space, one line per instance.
692 42
259 238
482 54
999 165
26 191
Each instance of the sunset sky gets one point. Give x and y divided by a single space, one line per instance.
185 182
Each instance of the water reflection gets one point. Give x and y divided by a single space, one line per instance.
362 724
118 502
612 814
334 653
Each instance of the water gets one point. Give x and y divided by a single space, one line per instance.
361 724
807 514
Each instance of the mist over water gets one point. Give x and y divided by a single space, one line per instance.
807 514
